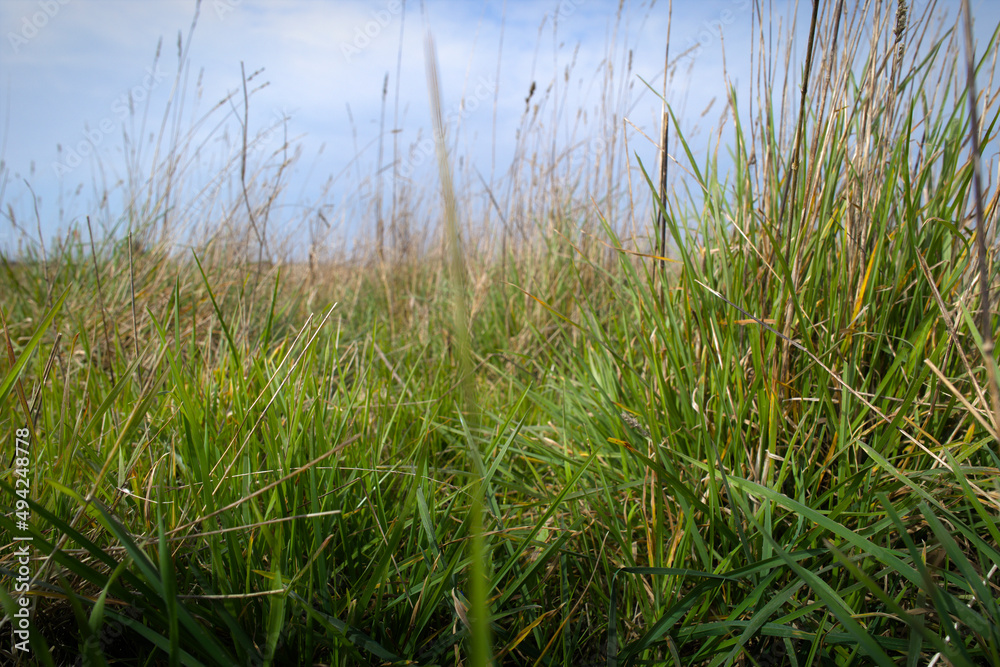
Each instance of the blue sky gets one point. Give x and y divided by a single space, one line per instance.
69 67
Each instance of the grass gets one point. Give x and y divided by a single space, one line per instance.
783 453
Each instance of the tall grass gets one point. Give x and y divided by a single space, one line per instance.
781 452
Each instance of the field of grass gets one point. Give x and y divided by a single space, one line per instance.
780 449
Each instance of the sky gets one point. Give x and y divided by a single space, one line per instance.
85 93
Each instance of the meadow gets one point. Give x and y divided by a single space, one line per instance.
768 437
